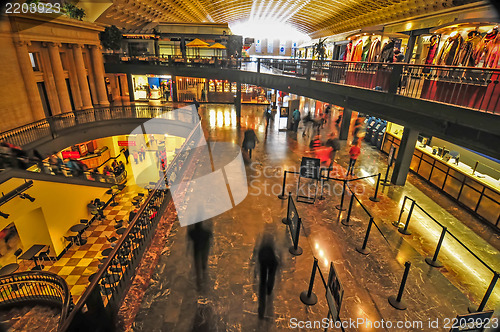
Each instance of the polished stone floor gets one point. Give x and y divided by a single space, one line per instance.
226 299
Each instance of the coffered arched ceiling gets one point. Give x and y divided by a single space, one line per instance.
313 17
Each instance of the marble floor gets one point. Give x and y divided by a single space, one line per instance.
227 298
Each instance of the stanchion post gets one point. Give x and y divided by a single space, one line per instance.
286 220
322 184
404 230
395 301
486 295
308 297
385 182
341 205
434 261
295 249
346 221
375 198
396 223
282 195
363 249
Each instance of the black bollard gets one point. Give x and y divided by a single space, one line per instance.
363 249
434 261
346 221
295 249
386 182
308 297
375 198
341 205
396 223
282 195
486 295
404 230
286 220
395 301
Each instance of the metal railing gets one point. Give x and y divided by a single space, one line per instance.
176 60
109 285
35 287
471 87
52 126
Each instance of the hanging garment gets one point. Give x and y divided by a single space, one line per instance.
449 52
387 53
433 48
357 51
348 52
366 48
374 52
483 48
493 56
466 55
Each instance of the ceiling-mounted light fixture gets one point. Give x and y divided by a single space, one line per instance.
26 196
18 191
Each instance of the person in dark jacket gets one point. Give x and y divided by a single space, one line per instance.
334 143
200 236
249 141
126 153
268 265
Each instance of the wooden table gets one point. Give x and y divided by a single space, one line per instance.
30 254
9 269
77 229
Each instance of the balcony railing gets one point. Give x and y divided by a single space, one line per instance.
35 287
470 87
52 126
103 296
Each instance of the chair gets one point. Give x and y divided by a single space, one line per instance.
18 253
45 254
71 239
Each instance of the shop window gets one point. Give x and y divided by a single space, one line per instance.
34 61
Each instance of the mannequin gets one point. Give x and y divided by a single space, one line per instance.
448 55
485 47
466 55
432 50
387 53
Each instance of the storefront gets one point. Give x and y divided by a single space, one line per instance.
374 46
152 87
470 178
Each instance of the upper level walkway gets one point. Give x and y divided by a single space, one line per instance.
459 104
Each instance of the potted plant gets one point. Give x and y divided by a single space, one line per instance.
319 49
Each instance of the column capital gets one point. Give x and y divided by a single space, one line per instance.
76 45
51 44
21 43
95 47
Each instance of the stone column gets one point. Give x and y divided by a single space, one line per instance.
81 73
29 80
98 65
73 79
130 83
345 125
124 86
60 80
405 154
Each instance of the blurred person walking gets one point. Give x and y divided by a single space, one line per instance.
354 153
200 235
249 142
268 265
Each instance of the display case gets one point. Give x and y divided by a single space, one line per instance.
478 193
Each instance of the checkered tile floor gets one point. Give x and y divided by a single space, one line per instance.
79 262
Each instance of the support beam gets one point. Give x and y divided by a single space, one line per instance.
405 153
237 103
130 82
345 125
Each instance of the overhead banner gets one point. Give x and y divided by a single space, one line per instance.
282 48
258 46
270 46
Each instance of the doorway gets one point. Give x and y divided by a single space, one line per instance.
45 100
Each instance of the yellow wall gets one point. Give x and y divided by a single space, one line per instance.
56 208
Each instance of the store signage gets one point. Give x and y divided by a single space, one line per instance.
270 46
309 168
334 292
258 46
284 112
282 48
70 154
139 36
126 143
477 321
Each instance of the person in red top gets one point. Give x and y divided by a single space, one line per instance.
354 152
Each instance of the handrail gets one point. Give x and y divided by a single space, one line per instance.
50 126
36 285
141 215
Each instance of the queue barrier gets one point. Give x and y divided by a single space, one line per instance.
433 261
